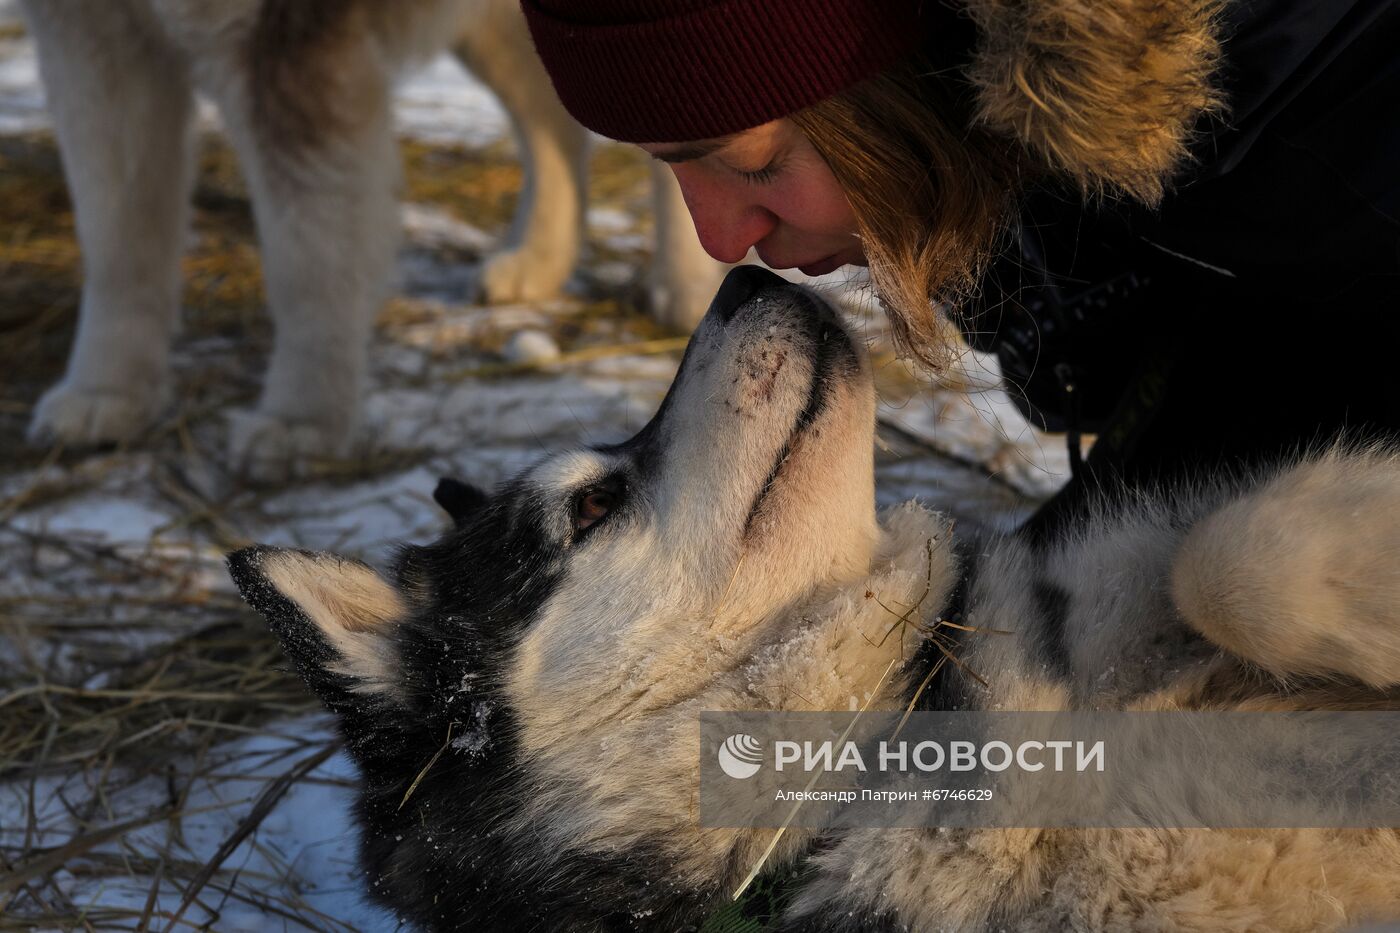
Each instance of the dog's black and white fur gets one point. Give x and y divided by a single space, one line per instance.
500 693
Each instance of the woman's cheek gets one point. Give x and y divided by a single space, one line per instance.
813 201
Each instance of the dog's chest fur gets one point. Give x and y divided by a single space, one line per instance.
1087 622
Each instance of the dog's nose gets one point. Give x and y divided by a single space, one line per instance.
741 284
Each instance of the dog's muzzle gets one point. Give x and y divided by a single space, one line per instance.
741 284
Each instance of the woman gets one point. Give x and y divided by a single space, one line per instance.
1176 222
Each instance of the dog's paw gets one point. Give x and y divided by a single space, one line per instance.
677 300
85 417
269 449
521 275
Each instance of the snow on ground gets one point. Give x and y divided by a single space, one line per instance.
440 102
118 533
304 845
21 96
443 103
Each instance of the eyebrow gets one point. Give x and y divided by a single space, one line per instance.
689 151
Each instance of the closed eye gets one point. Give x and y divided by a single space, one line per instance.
761 176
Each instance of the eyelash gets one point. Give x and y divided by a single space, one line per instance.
762 176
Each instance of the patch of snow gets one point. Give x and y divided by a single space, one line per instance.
445 329
614 274
114 520
367 519
439 103
306 845
611 220
544 412
445 103
627 242
22 107
982 425
475 737
434 228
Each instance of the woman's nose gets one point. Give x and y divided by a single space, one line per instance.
727 221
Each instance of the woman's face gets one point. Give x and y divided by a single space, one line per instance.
765 188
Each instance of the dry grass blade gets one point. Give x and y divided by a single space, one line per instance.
418 779
57 857
148 910
102 695
792 814
268 799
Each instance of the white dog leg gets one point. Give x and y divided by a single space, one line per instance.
120 100
316 144
543 246
683 277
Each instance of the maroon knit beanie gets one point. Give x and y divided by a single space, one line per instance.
649 71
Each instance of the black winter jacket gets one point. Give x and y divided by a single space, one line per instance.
1256 309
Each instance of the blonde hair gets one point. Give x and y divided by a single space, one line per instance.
932 192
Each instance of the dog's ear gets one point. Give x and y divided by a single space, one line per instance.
458 499
335 618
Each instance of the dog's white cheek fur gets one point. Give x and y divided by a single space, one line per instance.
683 575
821 513
621 769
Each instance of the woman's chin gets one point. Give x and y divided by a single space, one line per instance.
823 266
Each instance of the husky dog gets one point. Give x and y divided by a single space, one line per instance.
498 690
303 89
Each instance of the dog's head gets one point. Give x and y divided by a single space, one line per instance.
601 581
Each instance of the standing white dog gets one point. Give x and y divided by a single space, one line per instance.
304 91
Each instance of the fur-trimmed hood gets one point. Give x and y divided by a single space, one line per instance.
1107 92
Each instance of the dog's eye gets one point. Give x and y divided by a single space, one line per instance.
592 507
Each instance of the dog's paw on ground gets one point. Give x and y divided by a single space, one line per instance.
268 449
79 416
524 275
